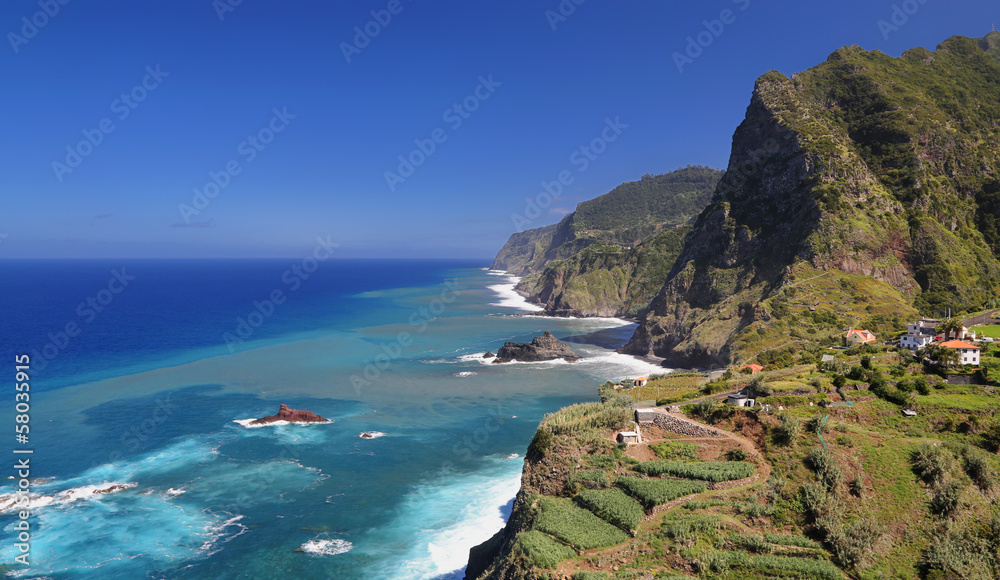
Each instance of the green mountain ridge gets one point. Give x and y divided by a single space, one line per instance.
611 255
864 165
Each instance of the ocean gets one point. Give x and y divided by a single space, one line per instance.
141 369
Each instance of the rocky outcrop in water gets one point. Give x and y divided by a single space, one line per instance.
290 415
541 348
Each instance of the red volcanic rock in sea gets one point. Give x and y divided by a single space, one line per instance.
290 415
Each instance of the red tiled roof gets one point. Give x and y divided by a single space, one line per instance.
752 367
959 344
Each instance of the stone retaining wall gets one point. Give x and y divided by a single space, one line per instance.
675 425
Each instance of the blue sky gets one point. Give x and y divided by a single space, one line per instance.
299 136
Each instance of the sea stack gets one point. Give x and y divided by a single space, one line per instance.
290 415
541 348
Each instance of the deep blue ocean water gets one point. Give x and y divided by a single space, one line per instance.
166 356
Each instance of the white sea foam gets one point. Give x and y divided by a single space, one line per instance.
510 298
497 273
221 533
91 492
454 515
175 492
371 434
324 547
465 374
247 423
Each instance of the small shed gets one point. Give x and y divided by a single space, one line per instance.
827 358
630 437
644 414
909 413
640 382
741 400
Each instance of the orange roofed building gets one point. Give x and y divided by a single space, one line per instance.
968 354
859 336
753 368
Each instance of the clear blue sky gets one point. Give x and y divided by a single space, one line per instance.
323 174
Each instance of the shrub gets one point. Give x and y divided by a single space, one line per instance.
750 543
787 431
820 460
978 467
542 551
654 492
590 576
798 541
677 525
946 497
754 510
844 440
839 381
767 564
576 526
866 362
931 463
922 386
706 408
613 506
675 450
541 442
736 455
853 545
714 471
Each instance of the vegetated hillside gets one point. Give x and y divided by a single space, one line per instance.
625 216
869 165
605 279
808 492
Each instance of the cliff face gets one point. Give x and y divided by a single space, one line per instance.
865 164
610 256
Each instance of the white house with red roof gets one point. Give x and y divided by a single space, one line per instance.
859 336
968 354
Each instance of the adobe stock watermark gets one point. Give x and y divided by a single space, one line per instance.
581 158
291 279
123 106
454 116
713 29
563 11
87 311
363 35
224 7
30 26
394 349
899 16
248 149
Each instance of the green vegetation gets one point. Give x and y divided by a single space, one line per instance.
723 561
675 450
613 506
576 526
654 492
786 540
587 417
542 551
706 471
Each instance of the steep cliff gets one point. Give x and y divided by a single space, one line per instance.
627 215
866 164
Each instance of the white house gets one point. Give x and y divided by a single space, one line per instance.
919 334
915 341
968 354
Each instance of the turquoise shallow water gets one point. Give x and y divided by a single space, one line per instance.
205 497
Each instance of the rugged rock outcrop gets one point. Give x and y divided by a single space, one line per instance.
856 166
290 415
541 348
